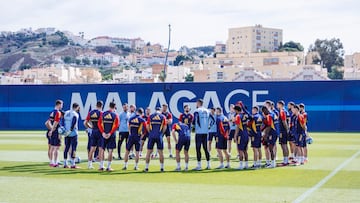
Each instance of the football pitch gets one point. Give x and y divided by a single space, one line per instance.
331 175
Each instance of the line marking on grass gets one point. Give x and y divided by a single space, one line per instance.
327 178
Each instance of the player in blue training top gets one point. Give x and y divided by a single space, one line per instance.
136 124
183 140
91 122
231 117
222 136
123 128
52 125
291 133
201 124
108 123
71 124
212 128
156 126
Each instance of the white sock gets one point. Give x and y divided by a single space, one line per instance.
72 162
89 163
136 164
228 163
286 160
170 152
161 165
109 164
267 161
147 165
240 164
199 164
186 165
292 155
221 163
126 164
208 164
178 165
246 164
101 164
273 163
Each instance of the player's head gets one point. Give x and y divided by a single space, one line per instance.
140 111
164 108
265 110
148 111
290 105
187 108
158 109
295 110
75 107
112 105
212 110
280 104
132 108
302 107
272 105
199 103
267 104
59 104
99 104
125 107
255 110
219 111
237 109
232 108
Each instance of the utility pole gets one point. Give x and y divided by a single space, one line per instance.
167 53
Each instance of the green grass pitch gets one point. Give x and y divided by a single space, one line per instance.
26 177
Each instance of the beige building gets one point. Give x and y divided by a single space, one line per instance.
253 39
220 47
257 67
352 67
62 74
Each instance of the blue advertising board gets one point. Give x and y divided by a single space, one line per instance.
331 105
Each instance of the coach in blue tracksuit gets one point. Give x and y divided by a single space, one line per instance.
201 123
71 124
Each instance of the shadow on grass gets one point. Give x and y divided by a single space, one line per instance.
45 169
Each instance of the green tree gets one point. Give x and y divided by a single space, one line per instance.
67 59
189 78
181 59
94 62
336 73
291 46
86 61
331 53
77 61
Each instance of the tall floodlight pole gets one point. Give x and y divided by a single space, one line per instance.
167 52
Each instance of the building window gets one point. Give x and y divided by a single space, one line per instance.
271 61
249 78
220 75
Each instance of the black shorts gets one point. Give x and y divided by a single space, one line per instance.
167 132
283 138
231 135
123 135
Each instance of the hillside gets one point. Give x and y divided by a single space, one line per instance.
23 50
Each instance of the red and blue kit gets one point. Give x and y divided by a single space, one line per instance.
108 124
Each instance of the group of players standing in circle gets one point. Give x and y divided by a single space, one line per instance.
261 126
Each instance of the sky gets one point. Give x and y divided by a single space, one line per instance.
193 22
